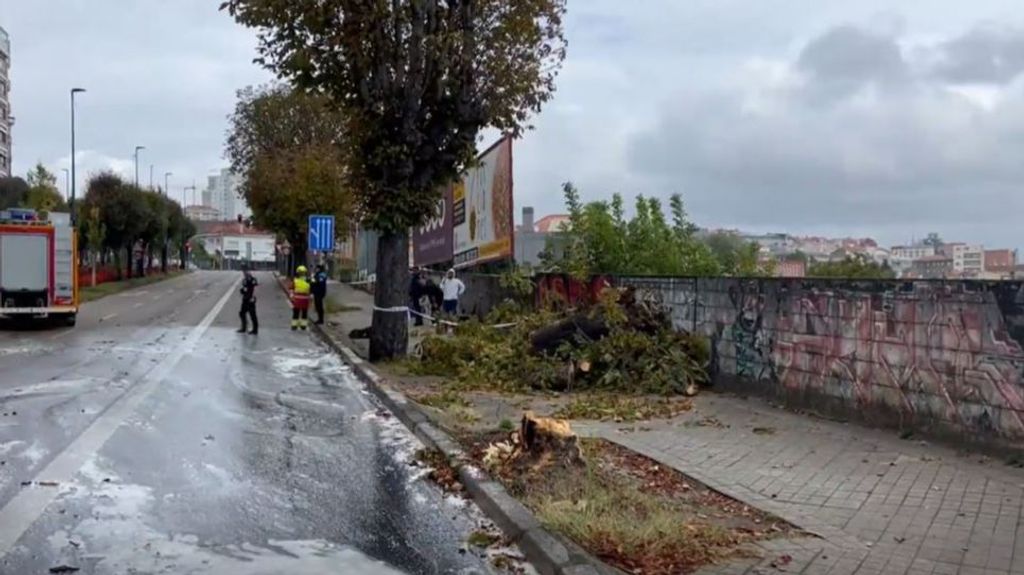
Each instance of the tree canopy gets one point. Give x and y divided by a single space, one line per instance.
43 194
287 147
601 240
857 266
127 214
13 192
416 81
39 192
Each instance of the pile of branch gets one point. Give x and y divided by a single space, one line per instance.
589 325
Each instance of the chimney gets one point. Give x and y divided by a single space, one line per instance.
528 219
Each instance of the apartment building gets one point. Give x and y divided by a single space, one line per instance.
222 194
6 122
968 260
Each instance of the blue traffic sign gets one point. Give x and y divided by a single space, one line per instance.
321 233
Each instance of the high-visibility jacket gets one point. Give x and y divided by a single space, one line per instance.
300 293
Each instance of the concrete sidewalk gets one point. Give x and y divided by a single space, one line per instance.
357 314
878 504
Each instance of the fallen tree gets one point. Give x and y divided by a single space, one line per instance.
623 344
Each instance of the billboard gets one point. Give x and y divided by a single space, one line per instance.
482 208
432 242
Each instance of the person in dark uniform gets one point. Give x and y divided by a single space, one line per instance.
248 310
416 285
319 292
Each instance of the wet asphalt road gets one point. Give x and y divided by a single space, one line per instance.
156 440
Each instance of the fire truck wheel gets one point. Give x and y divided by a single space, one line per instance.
70 319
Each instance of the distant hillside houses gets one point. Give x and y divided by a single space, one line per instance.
917 260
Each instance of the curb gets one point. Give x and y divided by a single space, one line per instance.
548 553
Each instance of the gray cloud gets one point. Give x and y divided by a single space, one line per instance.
892 147
767 115
159 74
846 58
986 54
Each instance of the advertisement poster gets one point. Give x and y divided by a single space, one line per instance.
432 242
482 208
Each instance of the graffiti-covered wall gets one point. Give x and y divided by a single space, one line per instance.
943 357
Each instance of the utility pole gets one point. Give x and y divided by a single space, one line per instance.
193 187
71 203
137 149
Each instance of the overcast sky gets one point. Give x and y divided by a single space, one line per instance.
880 118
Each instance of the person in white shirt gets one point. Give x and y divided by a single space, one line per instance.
452 288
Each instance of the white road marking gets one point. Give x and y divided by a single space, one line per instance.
108 317
138 305
29 504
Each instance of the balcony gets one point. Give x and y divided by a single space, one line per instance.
5 43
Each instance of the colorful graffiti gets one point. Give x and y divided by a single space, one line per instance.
930 354
565 290
941 356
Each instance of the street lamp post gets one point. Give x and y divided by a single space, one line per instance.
71 203
167 183
137 149
151 177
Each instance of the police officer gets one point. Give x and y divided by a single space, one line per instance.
319 292
248 310
300 299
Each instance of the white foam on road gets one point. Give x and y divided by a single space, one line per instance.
25 508
34 454
116 537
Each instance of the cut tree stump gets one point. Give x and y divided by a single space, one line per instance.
545 441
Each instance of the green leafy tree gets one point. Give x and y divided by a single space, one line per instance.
123 213
738 257
95 232
798 256
42 194
600 240
288 147
416 82
934 240
857 266
179 230
13 192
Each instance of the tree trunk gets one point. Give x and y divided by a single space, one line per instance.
389 337
117 264
94 256
164 252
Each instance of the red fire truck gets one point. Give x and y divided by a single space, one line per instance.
38 265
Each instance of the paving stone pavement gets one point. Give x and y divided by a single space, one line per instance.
878 504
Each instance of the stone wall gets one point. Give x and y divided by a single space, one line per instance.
938 357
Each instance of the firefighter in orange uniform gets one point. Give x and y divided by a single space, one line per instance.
300 300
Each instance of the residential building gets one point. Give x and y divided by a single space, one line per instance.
232 244
532 239
6 122
202 214
968 261
222 193
1000 264
791 269
774 244
914 252
932 267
